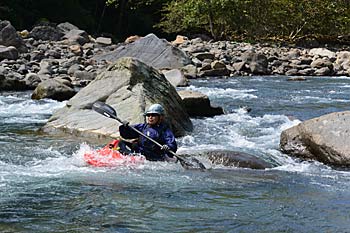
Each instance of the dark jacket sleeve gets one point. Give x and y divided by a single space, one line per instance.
127 133
169 140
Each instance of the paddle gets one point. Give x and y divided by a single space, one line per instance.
109 112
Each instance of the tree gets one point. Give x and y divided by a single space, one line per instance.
288 19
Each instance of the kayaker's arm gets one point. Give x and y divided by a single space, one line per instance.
128 133
169 140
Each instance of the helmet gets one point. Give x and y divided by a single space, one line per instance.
155 108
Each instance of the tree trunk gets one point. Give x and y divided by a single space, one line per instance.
210 16
121 18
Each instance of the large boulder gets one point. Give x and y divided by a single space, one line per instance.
9 36
325 139
151 50
130 87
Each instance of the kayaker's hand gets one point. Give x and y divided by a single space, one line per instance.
165 148
125 123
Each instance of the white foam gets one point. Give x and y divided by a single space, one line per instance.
21 109
225 92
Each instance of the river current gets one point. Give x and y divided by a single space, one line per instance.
45 185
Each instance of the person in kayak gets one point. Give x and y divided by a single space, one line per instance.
155 128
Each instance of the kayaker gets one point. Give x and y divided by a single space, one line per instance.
155 128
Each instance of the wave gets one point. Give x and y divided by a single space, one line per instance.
224 92
19 108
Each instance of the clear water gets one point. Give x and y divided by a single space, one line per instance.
45 186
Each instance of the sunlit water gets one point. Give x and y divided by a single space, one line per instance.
45 185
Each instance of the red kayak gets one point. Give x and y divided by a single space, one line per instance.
109 156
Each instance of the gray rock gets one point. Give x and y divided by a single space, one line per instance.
76 36
53 89
129 86
325 139
214 72
45 33
307 71
322 52
198 104
190 71
299 78
46 67
176 77
324 71
9 53
235 159
239 66
66 27
322 62
12 83
292 72
9 37
257 62
32 80
104 41
343 59
218 65
204 56
150 50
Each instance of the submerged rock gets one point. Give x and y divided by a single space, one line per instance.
236 159
233 159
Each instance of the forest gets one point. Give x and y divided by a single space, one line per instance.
245 20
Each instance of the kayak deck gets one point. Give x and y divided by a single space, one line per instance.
110 156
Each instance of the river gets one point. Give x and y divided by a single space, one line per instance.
47 187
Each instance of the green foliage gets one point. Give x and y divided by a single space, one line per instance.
256 19
222 19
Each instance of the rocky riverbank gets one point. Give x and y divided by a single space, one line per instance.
72 57
227 58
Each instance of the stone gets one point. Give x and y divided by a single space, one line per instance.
104 41
176 77
9 53
325 139
53 89
9 37
198 104
129 86
150 50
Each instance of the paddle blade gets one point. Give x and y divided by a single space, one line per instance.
104 109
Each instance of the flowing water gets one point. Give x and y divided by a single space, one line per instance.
45 186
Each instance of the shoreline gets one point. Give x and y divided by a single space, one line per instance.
68 55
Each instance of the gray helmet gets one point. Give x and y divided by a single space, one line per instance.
155 108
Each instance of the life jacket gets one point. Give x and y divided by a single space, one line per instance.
148 148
